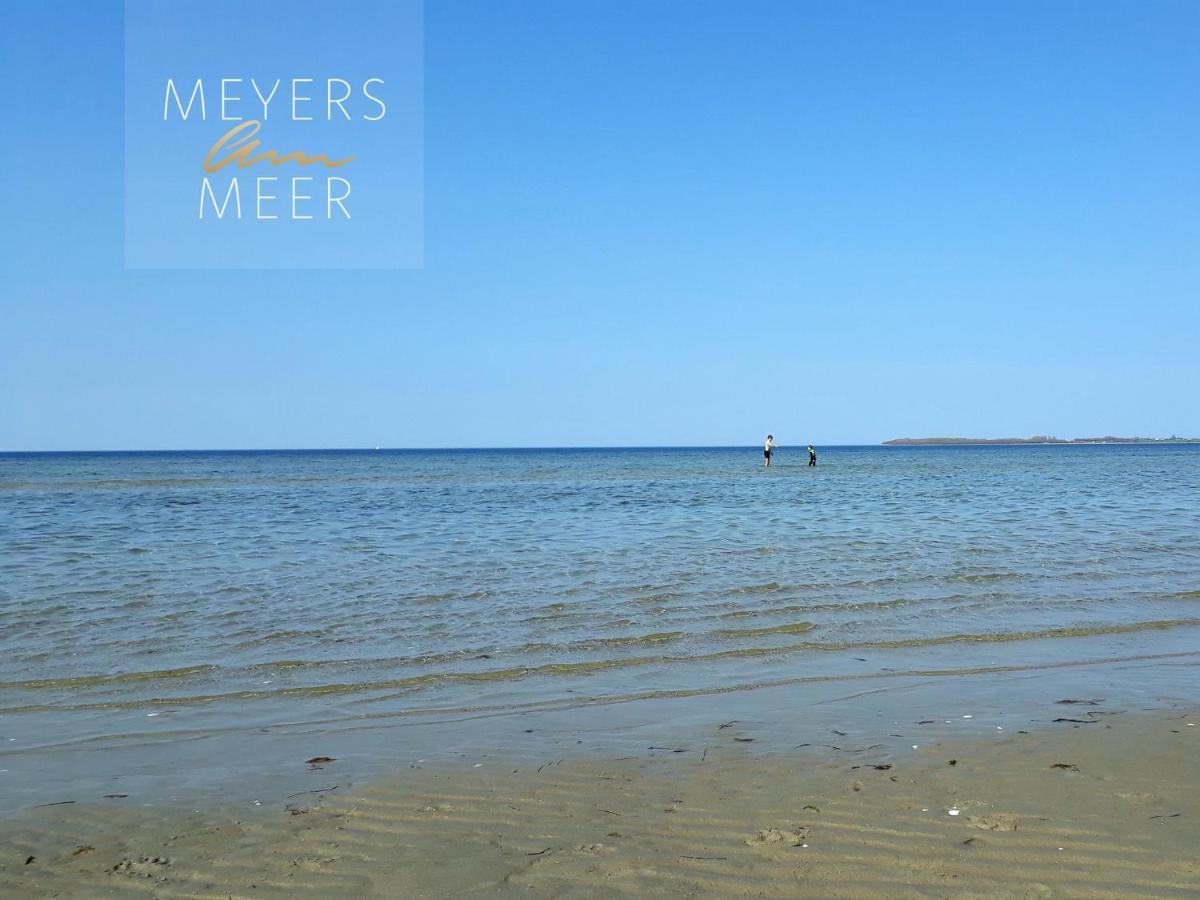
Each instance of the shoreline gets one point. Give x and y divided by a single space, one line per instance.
1103 803
194 756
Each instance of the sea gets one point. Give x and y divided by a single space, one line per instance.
175 622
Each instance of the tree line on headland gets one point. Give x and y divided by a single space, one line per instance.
1038 439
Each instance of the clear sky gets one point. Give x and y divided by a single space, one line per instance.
655 223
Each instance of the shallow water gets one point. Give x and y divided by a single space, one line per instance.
204 592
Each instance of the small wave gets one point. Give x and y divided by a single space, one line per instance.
819 607
1181 595
771 587
790 628
451 595
116 678
560 668
634 640
989 577
659 598
283 635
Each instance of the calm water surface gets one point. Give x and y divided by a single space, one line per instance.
241 590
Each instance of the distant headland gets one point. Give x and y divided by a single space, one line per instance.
1037 439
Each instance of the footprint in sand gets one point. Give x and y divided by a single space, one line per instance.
314 863
146 866
785 836
994 822
1137 796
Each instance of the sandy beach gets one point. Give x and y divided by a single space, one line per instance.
1103 803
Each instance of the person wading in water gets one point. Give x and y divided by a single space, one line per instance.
812 455
768 446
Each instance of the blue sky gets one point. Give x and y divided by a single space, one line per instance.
655 223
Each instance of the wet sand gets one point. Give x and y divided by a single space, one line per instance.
1105 806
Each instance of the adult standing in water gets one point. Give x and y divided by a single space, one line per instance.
812 455
768 446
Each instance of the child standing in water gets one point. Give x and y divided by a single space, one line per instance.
812 455
767 448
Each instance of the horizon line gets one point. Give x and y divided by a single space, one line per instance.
433 449
992 442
